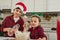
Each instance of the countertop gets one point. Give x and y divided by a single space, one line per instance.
51 31
7 38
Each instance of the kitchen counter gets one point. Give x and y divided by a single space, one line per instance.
51 31
7 38
50 34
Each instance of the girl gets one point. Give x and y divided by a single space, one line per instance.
36 31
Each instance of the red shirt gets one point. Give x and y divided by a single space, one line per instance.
9 22
36 33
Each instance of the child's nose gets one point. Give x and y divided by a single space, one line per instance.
33 22
18 12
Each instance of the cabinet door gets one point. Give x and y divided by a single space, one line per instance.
40 5
29 4
13 4
53 5
52 36
5 4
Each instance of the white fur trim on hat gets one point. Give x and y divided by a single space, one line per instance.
20 7
24 12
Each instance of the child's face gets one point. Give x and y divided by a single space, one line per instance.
34 22
17 12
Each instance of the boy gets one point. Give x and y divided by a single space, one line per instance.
10 21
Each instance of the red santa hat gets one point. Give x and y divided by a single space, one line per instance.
22 6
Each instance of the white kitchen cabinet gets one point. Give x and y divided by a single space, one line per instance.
5 4
30 5
52 36
40 5
53 5
13 4
34 5
8 4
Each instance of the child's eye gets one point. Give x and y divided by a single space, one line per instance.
35 21
16 10
20 12
31 21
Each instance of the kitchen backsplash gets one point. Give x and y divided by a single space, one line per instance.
52 22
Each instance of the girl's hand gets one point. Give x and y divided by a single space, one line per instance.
42 38
39 39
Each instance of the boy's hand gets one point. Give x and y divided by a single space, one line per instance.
10 31
6 29
25 27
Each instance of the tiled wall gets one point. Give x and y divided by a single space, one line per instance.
44 23
51 23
